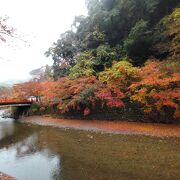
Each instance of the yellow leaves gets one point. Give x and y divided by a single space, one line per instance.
121 74
175 15
140 96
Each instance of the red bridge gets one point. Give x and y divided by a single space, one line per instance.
13 102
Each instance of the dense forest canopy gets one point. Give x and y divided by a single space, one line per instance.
113 29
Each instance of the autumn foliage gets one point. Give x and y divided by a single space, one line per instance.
153 89
81 94
27 89
158 90
121 59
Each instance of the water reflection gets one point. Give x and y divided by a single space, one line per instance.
27 146
31 152
6 126
21 157
35 166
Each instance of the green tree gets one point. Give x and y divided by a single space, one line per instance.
48 72
139 42
112 29
62 53
167 38
84 65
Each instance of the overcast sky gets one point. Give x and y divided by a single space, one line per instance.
40 23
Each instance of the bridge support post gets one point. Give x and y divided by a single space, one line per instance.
20 112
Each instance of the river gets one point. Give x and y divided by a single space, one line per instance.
33 152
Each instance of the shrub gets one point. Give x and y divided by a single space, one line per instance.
158 91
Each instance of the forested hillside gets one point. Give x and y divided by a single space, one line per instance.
133 30
121 60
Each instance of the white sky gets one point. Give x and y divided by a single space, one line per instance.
40 22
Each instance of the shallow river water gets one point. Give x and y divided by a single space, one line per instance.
32 152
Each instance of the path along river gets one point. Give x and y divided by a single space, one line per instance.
45 148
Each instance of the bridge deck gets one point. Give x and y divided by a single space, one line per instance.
15 103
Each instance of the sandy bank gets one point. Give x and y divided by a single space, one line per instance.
117 127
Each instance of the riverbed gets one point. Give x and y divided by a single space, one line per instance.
36 152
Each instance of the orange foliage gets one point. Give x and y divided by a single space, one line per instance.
80 94
27 89
156 89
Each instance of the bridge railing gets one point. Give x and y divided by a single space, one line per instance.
14 101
